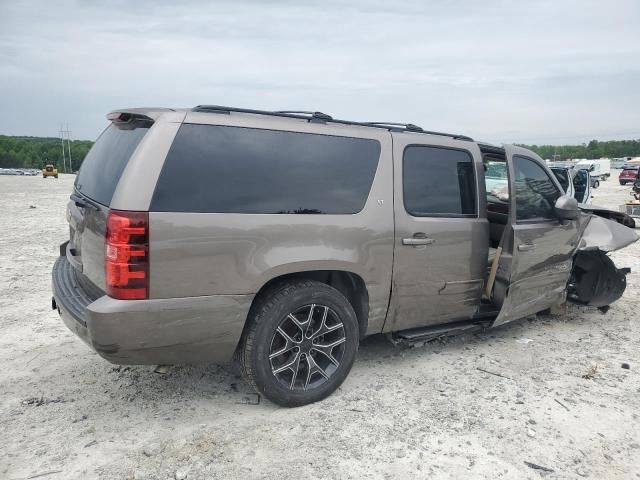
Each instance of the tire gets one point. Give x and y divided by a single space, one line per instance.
280 321
622 183
596 184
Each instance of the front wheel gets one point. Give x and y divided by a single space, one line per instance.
622 183
300 343
596 184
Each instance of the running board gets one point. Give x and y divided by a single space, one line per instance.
422 335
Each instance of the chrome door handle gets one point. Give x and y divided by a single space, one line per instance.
526 247
417 241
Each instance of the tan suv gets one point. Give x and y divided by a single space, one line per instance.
286 237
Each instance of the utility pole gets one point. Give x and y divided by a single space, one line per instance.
69 145
63 153
66 134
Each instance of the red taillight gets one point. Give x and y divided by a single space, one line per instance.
126 255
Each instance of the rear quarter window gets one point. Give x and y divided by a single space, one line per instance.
103 166
221 169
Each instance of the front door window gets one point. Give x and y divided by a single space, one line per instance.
536 194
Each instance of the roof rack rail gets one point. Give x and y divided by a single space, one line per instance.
409 127
313 115
300 114
320 117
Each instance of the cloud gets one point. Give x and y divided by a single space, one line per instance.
501 71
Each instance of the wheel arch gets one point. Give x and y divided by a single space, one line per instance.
350 284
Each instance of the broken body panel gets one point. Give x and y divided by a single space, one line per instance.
545 261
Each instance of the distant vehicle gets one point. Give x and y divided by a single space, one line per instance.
49 171
600 168
576 183
11 171
628 174
567 164
619 162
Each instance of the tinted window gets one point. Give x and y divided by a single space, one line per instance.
103 165
243 170
536 194
438 182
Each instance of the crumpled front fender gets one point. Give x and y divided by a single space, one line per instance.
606 235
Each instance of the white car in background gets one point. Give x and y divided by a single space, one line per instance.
575 181
599 169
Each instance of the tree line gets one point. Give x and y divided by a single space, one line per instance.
593 149
36 152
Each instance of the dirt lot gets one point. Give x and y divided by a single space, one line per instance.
562 400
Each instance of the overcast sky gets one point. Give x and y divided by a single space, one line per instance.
501 71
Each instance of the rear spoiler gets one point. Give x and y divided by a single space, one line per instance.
145 114
127 117
129 120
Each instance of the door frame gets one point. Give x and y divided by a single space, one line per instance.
402 141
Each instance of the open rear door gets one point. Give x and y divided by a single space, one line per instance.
537 248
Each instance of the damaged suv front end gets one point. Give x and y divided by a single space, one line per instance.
595 280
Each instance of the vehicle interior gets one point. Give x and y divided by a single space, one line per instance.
497 195
497 190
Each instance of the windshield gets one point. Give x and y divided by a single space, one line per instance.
105 162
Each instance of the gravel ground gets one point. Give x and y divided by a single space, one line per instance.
558 396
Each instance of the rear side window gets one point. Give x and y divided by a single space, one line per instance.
103 165
536 194
438 182
219 169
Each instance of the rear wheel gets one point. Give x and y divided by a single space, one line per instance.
622 183
300 343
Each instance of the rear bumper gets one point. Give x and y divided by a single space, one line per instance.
203 329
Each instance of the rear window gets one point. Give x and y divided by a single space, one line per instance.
219 169
103 165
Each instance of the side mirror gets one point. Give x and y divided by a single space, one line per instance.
566 208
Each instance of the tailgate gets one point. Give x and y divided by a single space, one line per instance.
87 228
93 190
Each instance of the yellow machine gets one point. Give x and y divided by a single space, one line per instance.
49 171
